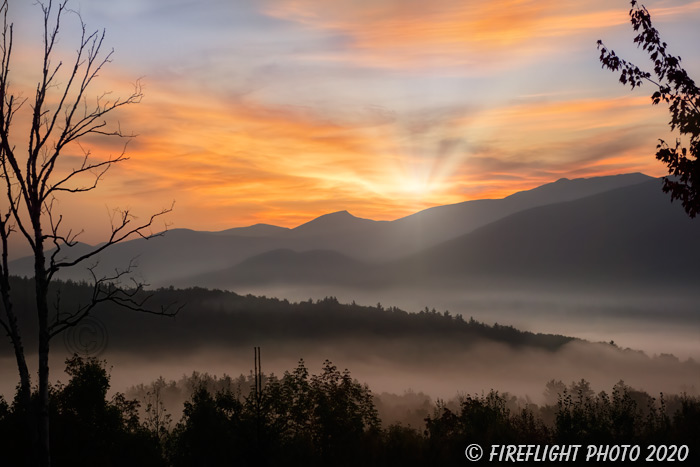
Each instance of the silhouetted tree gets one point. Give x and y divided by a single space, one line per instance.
485 420
61 115
676 89
157 419
209 433
343 414
327 419
302 419
88 430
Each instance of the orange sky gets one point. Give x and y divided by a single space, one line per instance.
278 111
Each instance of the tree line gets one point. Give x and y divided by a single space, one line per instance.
328 419
216 316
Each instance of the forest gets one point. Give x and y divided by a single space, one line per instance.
322 418
330 419
225 317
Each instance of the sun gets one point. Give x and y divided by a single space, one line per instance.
416 186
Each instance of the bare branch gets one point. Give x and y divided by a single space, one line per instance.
5 231
120 232
85 167
61 113
108 289
14 201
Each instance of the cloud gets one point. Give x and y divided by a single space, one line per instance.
465 36
526 144
243 161
284 110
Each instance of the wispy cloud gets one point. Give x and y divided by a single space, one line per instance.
282 110
466 37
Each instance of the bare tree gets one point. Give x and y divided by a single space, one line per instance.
61 113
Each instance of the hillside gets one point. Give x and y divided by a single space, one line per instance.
624 237
184 256
392 349
216 317
629 237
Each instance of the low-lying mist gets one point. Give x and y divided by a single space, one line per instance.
437 368
654 320
439 353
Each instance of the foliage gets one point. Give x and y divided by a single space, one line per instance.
222 317
35 143
210 432
674 88
317 420
330 419
482 419
87 429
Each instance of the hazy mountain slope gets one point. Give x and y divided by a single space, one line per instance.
216 317
625 236
375 241
162 260
286 266
431 351
182 254
628 236
257 230
441 223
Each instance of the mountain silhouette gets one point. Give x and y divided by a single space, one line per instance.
257 230
628 236
285 266
347 248
335 223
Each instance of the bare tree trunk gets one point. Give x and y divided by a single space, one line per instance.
15 335
24 395
44 444
24 392
42 308
58 121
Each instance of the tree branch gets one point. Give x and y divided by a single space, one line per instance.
119 233
108 289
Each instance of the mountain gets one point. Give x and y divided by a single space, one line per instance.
182 255
163 260
631 235
336 223
375 241
289 267
445 222
257 230
626 237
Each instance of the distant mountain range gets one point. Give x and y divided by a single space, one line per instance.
583 232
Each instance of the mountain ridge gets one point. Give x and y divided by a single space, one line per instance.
185 253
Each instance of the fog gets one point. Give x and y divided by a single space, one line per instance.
594 269
656 321
140 348
439 369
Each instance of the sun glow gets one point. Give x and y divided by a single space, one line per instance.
416 187
413 104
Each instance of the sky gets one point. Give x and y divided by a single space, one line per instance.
278 111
